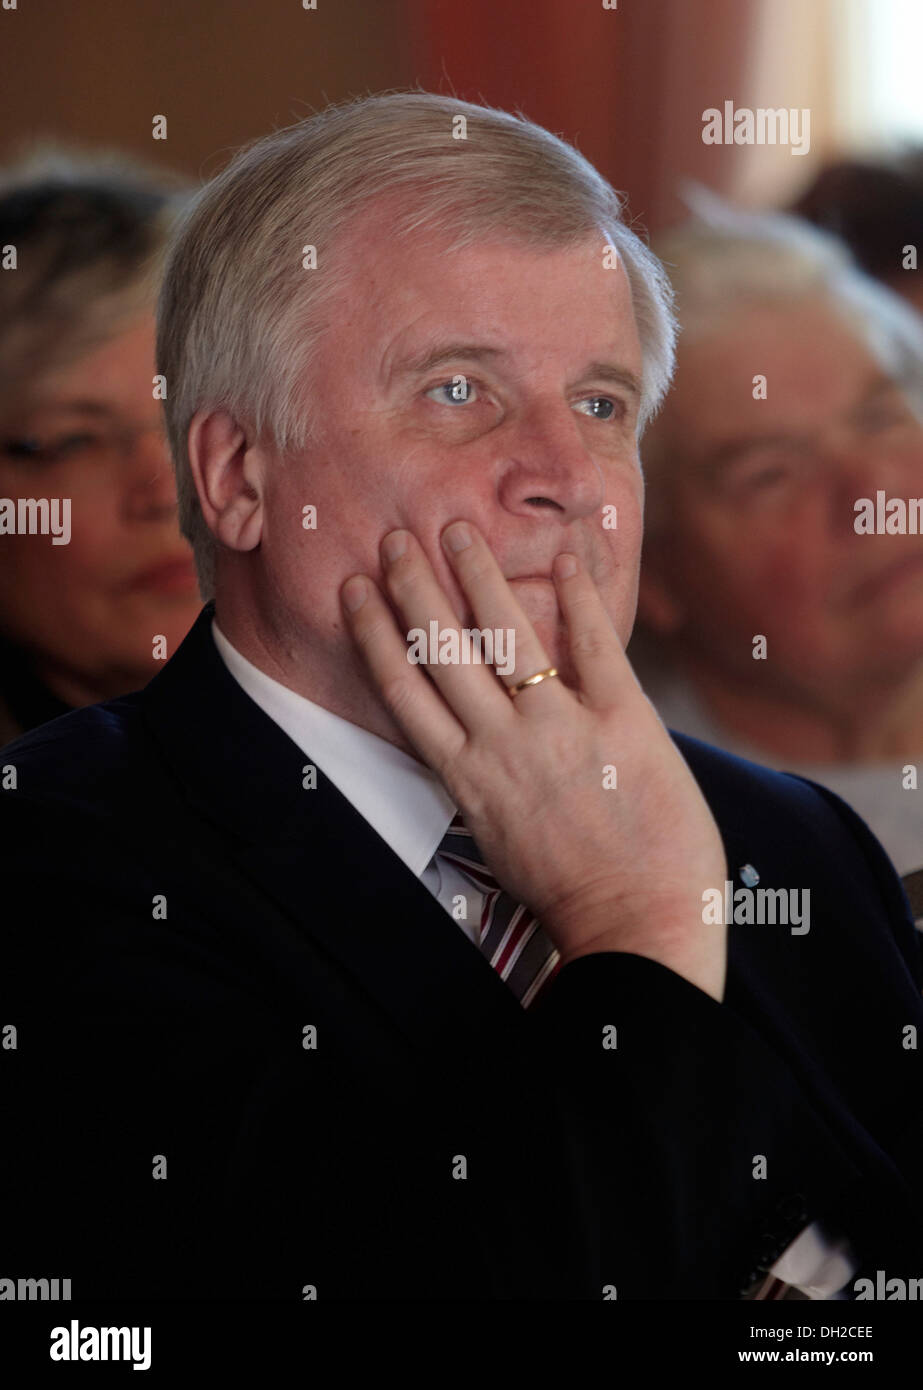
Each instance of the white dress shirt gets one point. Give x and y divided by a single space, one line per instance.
402 800
410 809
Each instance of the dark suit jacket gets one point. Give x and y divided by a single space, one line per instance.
180 909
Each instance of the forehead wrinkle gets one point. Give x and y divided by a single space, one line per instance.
446 345
429 358
433 352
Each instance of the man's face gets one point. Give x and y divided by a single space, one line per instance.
498 384
760 537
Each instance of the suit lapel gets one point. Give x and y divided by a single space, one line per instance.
332 876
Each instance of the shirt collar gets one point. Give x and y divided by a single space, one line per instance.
403 801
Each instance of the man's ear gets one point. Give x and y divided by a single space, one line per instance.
228 478
659 608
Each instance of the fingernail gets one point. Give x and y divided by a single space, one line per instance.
394 545
457 537
565 566
355 592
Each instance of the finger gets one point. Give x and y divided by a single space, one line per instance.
415 705
460 669
497 609
599 659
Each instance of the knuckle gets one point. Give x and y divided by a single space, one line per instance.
398 694
588 642
403 578
369 631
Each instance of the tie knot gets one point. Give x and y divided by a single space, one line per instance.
510 937
459 845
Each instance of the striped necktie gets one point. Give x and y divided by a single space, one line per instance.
509 936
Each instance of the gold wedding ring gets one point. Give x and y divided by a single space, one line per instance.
514 690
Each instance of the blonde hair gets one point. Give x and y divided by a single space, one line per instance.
240 323
89 231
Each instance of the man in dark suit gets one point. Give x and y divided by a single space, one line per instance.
334 976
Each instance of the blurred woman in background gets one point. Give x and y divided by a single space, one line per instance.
80 421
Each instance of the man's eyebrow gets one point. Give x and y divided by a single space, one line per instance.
620 376
734 450
882 384
430 359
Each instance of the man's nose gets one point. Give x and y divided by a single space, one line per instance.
150 486
546 464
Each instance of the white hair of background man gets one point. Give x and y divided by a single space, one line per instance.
725 260
240 319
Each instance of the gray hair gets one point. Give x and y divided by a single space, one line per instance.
725 260
241 323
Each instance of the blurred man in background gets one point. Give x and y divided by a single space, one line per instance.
89 614
797 393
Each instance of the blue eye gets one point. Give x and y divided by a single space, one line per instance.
458 391
605 401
